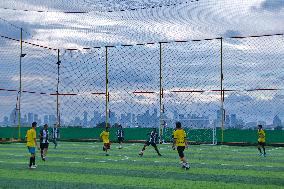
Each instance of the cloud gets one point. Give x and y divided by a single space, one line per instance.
272 5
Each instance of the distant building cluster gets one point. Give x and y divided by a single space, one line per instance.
145 119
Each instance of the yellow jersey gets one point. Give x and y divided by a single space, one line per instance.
261 135
31 135
180 136
105 136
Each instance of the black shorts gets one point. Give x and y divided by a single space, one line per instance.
43 145
261 143
106 146
180 150
148 143
120 139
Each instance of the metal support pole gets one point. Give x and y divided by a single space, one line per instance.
161 98
57 88
107 93
222 92
20 87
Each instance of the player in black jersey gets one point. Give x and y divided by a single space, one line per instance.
153 140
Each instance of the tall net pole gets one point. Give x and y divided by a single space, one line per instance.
161 98
20 87
222 91
107 94
57 88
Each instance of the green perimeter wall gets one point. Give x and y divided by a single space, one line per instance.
197 135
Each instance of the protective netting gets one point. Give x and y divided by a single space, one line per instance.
188 20
191 84
82 87
134 85
37 81
151 85
253 74
87 5
9 81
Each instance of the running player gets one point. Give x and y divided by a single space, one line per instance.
44 136
180 144
120 136
153 139
32 144
261 140
105 137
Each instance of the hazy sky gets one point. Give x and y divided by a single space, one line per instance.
248 63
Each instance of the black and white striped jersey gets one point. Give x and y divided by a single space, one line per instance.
44 135
120 133
154 136
55 133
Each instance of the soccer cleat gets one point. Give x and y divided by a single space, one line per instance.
185 166
32 167
141 154
107 154
260 154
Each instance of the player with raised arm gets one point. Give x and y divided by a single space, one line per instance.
180 143
153 139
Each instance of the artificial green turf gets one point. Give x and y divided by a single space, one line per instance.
84 165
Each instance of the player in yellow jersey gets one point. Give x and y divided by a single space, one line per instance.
180 144
32 144
105 137
261 140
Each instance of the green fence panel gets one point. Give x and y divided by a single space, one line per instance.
195 135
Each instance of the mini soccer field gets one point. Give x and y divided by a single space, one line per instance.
84 165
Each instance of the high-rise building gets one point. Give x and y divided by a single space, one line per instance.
277 121
45 119
233 120
85 119
30 118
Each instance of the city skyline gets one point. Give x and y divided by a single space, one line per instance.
146 119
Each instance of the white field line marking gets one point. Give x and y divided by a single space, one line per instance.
269 166
1 161
102 161
248 165
20 163
89 158
126 157
224 164
156 161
